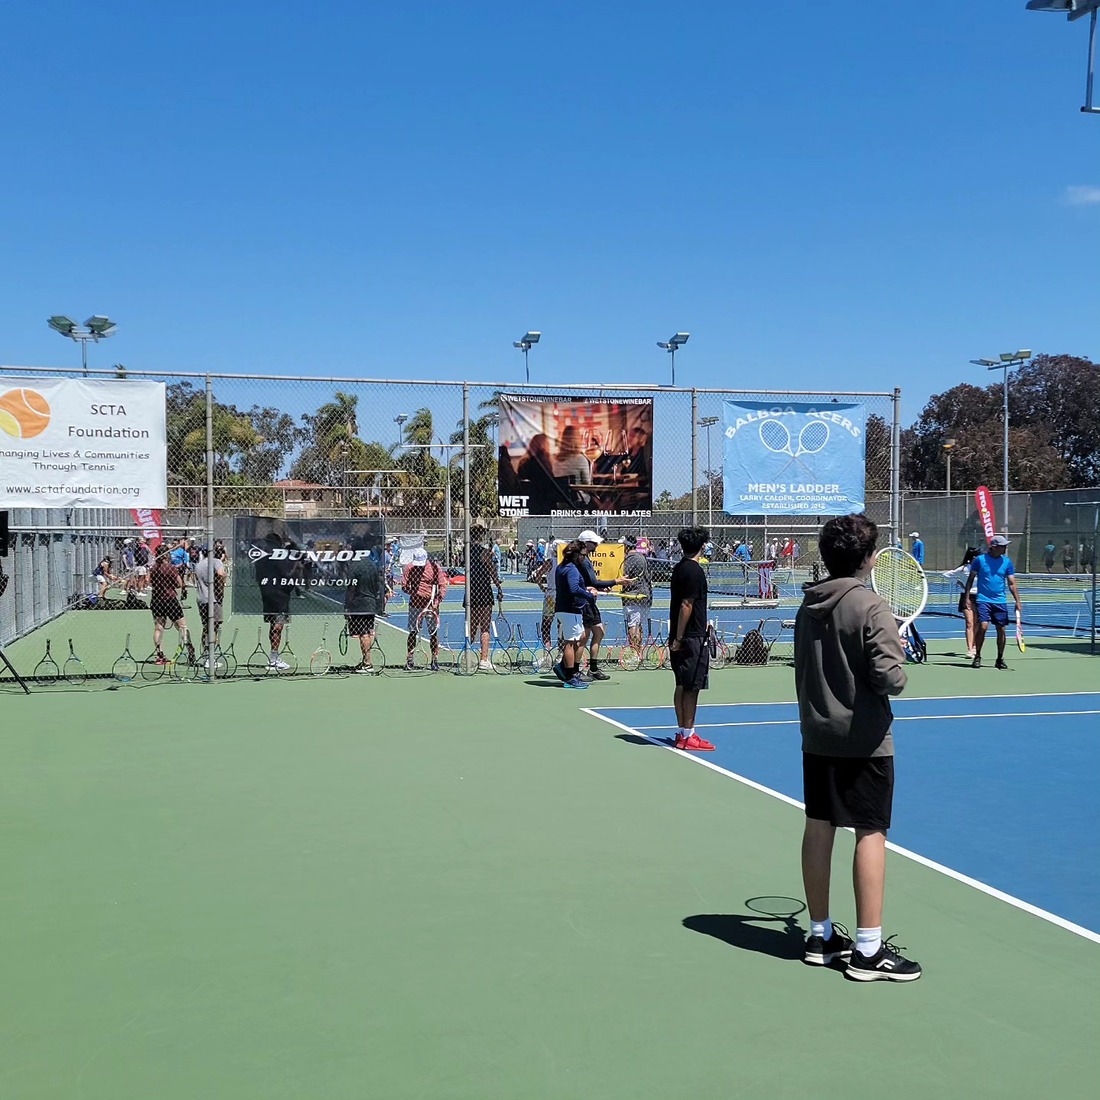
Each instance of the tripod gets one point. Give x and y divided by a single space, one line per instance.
3 656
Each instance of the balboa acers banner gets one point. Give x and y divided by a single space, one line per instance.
794 459
72 442
584 457
299 566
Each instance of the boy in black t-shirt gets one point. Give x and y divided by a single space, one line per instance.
687 634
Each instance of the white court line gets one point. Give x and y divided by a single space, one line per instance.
910 699
958 876
897 718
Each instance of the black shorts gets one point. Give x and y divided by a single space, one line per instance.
855 792
691 664
360 626
169 610
590 614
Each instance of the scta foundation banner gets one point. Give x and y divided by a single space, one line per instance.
75 442
583 458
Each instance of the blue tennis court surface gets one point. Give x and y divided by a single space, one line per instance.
1000 789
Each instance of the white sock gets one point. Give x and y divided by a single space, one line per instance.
681 732
822 928
868 941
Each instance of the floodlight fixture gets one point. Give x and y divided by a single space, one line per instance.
101 327
676 340
96 328
1077 9
1017 356
986 362
525 344
1005 360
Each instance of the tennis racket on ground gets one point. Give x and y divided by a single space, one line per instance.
1020 633
320 660
898 578
125 669
47 669
74 670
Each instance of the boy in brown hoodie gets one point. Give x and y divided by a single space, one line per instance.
848 662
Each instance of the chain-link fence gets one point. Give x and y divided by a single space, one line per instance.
422 458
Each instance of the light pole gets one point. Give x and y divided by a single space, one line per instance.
676 340
96 328
1006 359
525 344
399 420
1077 9
948 447
708 422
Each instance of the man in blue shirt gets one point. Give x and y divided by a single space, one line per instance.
918 548
181 559
990 574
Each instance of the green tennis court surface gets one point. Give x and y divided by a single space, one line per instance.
466 888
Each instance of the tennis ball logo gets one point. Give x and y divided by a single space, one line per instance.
24 413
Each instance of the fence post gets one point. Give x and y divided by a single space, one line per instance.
209 655
694 457
466 501
895 471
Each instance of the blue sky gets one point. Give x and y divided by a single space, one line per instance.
824 194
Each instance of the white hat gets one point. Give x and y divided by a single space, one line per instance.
589 536
914 534
420 556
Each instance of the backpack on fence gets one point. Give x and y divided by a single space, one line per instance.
752 650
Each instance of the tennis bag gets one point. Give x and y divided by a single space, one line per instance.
752 650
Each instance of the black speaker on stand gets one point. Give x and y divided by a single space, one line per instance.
3 588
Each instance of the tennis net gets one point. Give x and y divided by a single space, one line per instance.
1049 599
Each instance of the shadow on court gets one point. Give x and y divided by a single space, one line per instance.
636 739
777 934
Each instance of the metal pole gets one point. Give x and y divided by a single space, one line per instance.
1006 452
710 485
694 449
466 496
84 356
895 470
526 366
672 352
948 473
209 528
1091 62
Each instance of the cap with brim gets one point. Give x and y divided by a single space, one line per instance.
589 536
998 540
420 556
914 534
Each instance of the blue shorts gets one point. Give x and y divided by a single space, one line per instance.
996 613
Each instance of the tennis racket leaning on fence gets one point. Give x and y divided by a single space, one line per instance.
125 669
46 669
898 578
74 670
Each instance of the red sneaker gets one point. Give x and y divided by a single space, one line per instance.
694 743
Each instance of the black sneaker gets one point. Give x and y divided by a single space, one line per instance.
976 663
1000 663
584 677
886 965
599 674
821 952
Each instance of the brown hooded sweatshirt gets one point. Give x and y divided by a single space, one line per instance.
848 659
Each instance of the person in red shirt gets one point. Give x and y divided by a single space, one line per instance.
165 583
424 582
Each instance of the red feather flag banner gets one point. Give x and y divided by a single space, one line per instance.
983 498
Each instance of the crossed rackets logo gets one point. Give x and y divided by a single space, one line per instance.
776 436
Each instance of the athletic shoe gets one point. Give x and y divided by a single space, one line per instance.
434 666
977 662
557 670
821 951
576 682
970 653
694 743
485 666
278 664
1000 663
585 676
886 965
161 659
409 666
368 669
599 674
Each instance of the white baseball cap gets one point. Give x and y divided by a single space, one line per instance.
914 534
589 536
420 556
